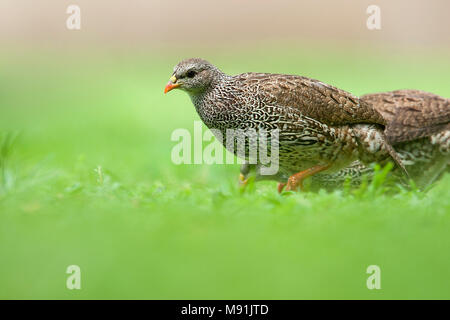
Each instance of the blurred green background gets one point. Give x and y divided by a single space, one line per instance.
87 178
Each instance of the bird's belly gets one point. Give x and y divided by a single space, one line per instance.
293 160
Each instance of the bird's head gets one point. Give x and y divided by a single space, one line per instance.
193 75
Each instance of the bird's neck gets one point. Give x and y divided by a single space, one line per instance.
205 102
202 104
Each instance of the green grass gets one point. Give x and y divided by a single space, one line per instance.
86 179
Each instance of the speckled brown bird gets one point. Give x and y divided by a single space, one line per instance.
321 128
419 131
411 114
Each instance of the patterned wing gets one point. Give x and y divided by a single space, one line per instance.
313 98
411 114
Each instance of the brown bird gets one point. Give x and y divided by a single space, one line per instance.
419 130
321 128
411 114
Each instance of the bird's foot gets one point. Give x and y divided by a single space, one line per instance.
280 187
296 180
242 181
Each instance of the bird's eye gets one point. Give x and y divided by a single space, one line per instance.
191 74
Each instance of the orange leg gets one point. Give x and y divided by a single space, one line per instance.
280 187
296 180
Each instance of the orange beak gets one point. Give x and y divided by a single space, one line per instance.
171 84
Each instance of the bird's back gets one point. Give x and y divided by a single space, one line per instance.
411 114
312 98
